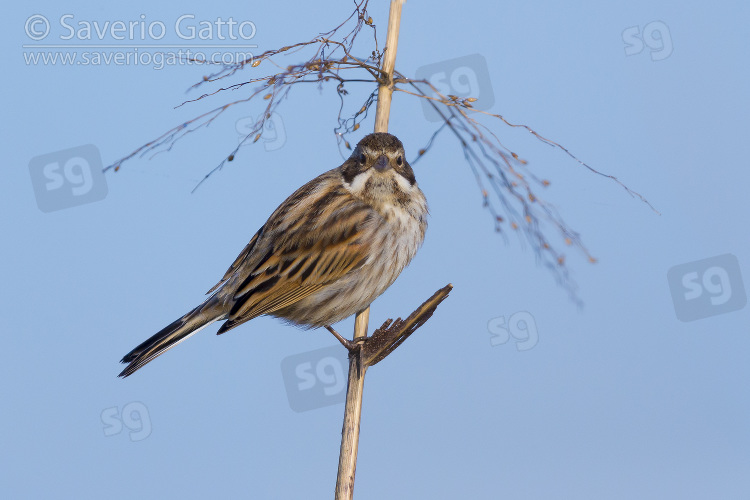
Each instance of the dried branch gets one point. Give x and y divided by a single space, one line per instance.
392 334
355 384
508 189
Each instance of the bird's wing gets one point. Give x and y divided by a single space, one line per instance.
309 242
239 260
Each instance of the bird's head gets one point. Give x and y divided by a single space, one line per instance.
377 171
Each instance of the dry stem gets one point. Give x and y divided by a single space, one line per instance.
508 187
357 369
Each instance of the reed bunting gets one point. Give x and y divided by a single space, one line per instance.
326 253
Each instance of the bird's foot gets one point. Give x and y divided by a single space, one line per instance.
351 345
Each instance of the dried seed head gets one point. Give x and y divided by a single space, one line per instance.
230 157
255 63
356 126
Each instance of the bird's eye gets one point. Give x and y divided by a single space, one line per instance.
362 158
399 161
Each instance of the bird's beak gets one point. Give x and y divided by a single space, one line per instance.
382 164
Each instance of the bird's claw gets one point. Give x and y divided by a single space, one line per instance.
351 345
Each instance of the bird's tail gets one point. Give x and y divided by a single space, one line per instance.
172 334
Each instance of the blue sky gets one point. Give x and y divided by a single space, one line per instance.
617 399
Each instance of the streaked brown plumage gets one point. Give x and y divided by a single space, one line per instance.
325 253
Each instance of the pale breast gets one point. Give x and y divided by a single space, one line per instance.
394 245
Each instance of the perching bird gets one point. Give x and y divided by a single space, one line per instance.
325 253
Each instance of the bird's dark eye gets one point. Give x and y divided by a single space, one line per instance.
399 161
362 158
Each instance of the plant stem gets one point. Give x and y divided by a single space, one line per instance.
356 381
